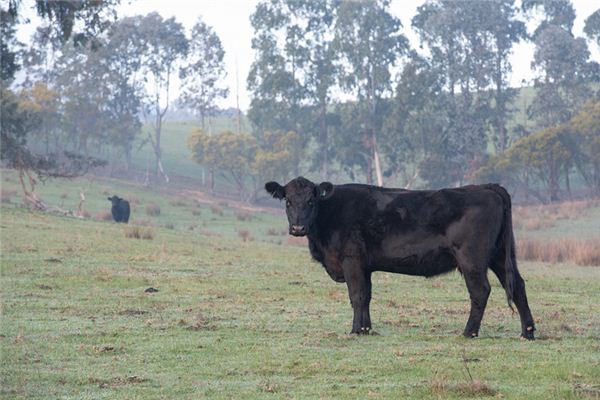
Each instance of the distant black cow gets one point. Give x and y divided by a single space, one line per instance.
354 230
119 209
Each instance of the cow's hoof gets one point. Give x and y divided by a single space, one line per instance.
528 334
471 335
365 330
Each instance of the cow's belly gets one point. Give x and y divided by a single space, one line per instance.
426 263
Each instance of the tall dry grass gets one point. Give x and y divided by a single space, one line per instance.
138 232
533 218
578 251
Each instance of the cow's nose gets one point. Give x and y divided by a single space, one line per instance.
297 229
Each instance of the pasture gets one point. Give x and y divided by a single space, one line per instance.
255 318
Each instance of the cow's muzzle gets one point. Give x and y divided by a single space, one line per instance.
297 230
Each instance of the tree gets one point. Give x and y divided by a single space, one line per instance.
204 72
230 153
96 15
165 45
592 27
274 78
561 62
369 41
121 60
18 121
9 45
586 128
468 44
543 156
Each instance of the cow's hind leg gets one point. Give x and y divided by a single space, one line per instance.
519 297
479 291
359 291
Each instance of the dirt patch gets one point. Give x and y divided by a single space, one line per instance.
132 313
117 381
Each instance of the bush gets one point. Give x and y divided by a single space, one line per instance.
243 216
215 209
169 225
245 235
196 213
6 195
152 209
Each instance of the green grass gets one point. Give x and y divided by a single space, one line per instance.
184 210
259 320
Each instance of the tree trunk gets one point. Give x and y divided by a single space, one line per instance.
377 164
323 124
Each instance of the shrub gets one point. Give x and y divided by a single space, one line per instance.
196 213
245 235
6 195
152 209
64 195
215 209
243 216
169 225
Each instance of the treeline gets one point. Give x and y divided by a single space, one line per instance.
87 92
439 115
336 90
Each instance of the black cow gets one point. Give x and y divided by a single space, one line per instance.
354 230
119 209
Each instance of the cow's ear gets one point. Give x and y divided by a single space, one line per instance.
275 190
325 190
110 199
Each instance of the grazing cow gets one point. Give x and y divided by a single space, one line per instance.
354 230
119 209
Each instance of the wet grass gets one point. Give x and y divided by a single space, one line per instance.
234 319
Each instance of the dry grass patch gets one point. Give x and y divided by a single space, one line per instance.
578 251
177 203
152 209
538 217
296 241
474 388
104 216
139 232
245 235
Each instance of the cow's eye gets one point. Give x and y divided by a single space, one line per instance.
288 203
310 203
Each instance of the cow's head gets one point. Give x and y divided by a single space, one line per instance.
302 199
114 200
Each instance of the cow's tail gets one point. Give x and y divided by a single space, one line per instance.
507 240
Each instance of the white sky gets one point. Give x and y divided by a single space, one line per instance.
231 21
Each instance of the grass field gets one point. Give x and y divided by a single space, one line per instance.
255 319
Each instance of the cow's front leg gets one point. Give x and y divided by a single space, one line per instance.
359 291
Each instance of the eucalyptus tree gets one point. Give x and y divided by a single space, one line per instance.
274 80
561 63
368 39
165 45
592 27
469 44
120 62
204 72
